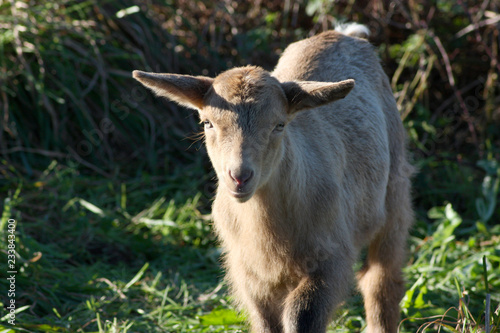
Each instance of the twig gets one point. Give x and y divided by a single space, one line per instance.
114 286
87 164
451 80
446 103
474 26
478 35
43 152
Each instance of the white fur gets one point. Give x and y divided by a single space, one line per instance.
353 29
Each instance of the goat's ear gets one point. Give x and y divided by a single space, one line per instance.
309 94
184 89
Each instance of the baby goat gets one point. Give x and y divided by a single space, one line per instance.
305 183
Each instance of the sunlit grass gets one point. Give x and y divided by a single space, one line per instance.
116 258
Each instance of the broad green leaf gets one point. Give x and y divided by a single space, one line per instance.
222 317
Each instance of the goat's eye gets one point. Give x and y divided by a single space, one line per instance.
279 127
207 124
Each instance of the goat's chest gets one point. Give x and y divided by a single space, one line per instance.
255 244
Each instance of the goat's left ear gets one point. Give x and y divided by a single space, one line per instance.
184 89
309 94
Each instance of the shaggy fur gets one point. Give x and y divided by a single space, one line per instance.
304 183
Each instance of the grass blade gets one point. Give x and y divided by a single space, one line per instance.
137 277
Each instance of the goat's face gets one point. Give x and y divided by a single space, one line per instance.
245 112
244 115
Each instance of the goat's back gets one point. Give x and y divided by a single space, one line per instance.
362 133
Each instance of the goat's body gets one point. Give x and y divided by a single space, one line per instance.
304 183
330 196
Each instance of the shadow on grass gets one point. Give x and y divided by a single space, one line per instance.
95 254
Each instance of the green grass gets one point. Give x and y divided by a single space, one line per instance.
102 255
117 254
112 203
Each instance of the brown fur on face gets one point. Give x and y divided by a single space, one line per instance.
243 108
304 183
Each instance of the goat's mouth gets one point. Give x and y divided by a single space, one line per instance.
242 195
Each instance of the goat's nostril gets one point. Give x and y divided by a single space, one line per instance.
242 177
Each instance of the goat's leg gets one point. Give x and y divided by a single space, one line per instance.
264 313
380 280
382 285
308 308
263 319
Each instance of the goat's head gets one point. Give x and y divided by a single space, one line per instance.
245 112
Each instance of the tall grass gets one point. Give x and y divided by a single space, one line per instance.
66 88
66 91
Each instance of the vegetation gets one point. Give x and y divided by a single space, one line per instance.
112 203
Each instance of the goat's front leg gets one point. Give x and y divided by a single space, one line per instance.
263 309
263 319
309 307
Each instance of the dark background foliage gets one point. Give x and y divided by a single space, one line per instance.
67 92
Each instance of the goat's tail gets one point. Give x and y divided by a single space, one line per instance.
353 29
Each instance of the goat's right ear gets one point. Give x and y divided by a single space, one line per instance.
309 94
184 89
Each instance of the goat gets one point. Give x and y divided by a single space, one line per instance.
305 184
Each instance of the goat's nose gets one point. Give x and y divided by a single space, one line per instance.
242 177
